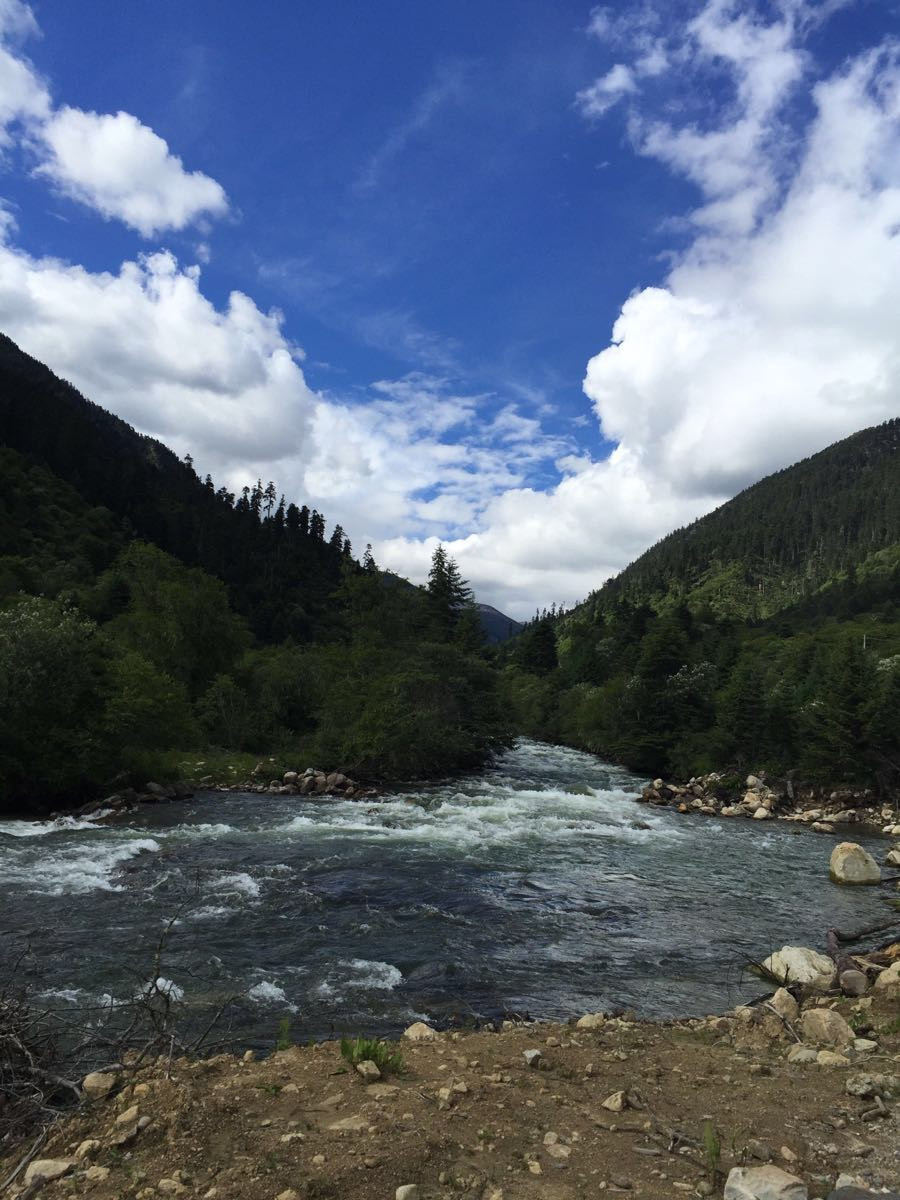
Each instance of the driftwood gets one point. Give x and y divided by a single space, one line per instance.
842 962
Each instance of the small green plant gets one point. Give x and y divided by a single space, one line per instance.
271 1089
283 1040
712 1151
891 1027
357 1050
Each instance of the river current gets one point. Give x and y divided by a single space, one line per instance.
537 886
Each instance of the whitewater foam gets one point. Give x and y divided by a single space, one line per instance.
73 870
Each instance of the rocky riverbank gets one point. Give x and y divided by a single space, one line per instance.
756 798
793 1098
311 783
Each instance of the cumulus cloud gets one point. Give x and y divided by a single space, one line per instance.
773 335
122 169
147 344
111 163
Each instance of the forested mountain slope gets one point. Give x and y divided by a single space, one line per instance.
146 616
764 636
780 540
273 557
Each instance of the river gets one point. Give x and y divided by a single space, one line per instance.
537 886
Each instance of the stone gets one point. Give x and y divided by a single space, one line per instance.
290 777
801 1054
171 1187
98 1084
87 1149
129 1116
851 864
590 1021
368 1070
532 1057
853 983
829 1058
288 1194
763 1183
350 1125
419 1032
97 1174
408 1191
889 977
785 1005
48 1169
852 1192
799 964
617 1102
761 814
753 781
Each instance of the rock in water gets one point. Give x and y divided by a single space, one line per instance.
763 1183
851 864
798 964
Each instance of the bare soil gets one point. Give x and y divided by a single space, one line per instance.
470 1117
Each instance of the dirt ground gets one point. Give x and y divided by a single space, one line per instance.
470 1116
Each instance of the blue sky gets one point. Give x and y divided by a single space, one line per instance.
371 250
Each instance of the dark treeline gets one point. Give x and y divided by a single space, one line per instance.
146 614
766 635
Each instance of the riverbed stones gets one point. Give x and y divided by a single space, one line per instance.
799 964
763 1183
824 1027
852 865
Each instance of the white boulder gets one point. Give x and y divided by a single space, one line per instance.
850 864
799 964
763 1183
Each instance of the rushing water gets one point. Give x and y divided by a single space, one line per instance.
538 886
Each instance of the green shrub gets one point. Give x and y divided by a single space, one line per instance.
357 1050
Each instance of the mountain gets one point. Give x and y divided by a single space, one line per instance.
497 626
149 619
150 493
780 540
765 636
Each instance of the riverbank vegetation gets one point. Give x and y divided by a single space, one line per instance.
764 636
148 618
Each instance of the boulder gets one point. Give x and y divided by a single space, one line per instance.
761 814
785 1005
763 1183
850 864
892 858
419 1032
290 777
824 1027
590 1021
853 983
98 1084
48 1169
799 964
889 978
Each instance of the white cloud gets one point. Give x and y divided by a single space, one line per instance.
111 163
122 169
600 97
774 334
